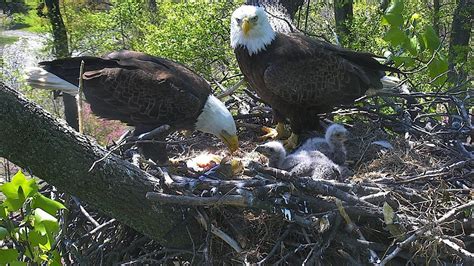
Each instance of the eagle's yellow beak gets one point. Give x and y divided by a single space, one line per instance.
246 26
232 141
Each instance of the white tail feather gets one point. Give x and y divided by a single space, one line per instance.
39 78
390 82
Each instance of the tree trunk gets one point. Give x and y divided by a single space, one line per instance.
153 9
281 12
61 49
152 6
436 8
343 14
460 35
32 139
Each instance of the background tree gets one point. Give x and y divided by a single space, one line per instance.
343 14
61 50
459 48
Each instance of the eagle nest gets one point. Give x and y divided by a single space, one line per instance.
409 198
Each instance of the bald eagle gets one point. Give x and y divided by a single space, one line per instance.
299 77
332 145
143 91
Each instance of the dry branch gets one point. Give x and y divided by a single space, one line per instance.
449 216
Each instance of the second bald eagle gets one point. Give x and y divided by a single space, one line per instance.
299 77
143 91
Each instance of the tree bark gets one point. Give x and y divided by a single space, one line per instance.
281 12
343 14
32 139
436 8
459 41
61 50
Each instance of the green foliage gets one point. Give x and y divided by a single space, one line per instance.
191 33
28 19
35 234
412 39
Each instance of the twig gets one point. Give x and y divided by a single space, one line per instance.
433 173
79 99
93 231
377 197
309 184
229 91
143 138
219 233
104 157
253 96
374 258
86 214
155 132
450 215
277 245
463 253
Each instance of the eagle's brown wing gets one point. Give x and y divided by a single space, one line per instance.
312 73
137 89
326 80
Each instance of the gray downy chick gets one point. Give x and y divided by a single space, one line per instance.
274 151
301 163
332 145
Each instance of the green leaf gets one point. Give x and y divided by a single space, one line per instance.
421 42
29 188
13 204
18 190
3 211
46 225
403 60
46 204
395 37
10 190
18 263
37 239
430 38
436 67
3 233
19 178
395 20
413 46
396 7
8 255
388 213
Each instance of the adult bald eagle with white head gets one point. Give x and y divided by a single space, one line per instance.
143 91
299 77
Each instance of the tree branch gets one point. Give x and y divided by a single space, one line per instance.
33 139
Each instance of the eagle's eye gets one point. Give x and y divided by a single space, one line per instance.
254 19
238 20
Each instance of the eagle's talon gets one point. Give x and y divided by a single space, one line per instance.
280 132
283 132
271 133
292 142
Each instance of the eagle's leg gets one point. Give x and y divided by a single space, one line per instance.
280 132
292 142
154 151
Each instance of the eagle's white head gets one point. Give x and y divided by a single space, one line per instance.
215 119
250 28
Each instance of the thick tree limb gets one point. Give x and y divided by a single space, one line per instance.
33 139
